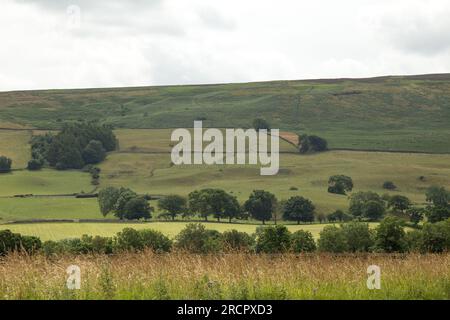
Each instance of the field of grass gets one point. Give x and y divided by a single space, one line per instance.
15 145
153 174
44 182
235 276
13 209
387 113
57 231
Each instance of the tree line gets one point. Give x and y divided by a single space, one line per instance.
354 237
263 206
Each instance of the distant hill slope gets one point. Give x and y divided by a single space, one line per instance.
409 113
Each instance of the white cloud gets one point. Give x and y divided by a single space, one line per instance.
159 42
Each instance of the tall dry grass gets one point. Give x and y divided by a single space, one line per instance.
232 276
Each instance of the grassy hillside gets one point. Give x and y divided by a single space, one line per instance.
386 113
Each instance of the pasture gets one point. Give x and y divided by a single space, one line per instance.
145 166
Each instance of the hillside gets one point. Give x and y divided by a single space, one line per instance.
406 113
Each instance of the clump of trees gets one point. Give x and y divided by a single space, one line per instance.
124 203
76 145
367 205
311 144
340 184
5 164
214 201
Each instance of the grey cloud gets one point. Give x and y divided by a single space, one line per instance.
212 18
418 34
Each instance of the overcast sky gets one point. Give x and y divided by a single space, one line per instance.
86 43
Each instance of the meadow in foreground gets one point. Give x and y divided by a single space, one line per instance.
176 275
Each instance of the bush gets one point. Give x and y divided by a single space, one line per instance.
436 237
15 242
414 241
5 164
273 239
390 235
359 237
155 241
389 185
303 241
132 240
332 239
34 164
128 240
235 240
196 239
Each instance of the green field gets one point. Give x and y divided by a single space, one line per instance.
387 113
56 231
44 182
153 173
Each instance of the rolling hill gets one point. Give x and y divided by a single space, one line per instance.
398 113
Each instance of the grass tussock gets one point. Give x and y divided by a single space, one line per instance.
232 276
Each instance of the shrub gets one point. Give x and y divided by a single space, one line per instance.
196 239
359 237
128 239
414 240
155 241
436 237
34 164
235 240
390 235
303 241
389 185
332 239
5 164
10 241
273 239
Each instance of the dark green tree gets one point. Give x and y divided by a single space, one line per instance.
298 209
94 152
261 205
373 210
173 205
390 235
399 203
359 200
136 208
340 184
